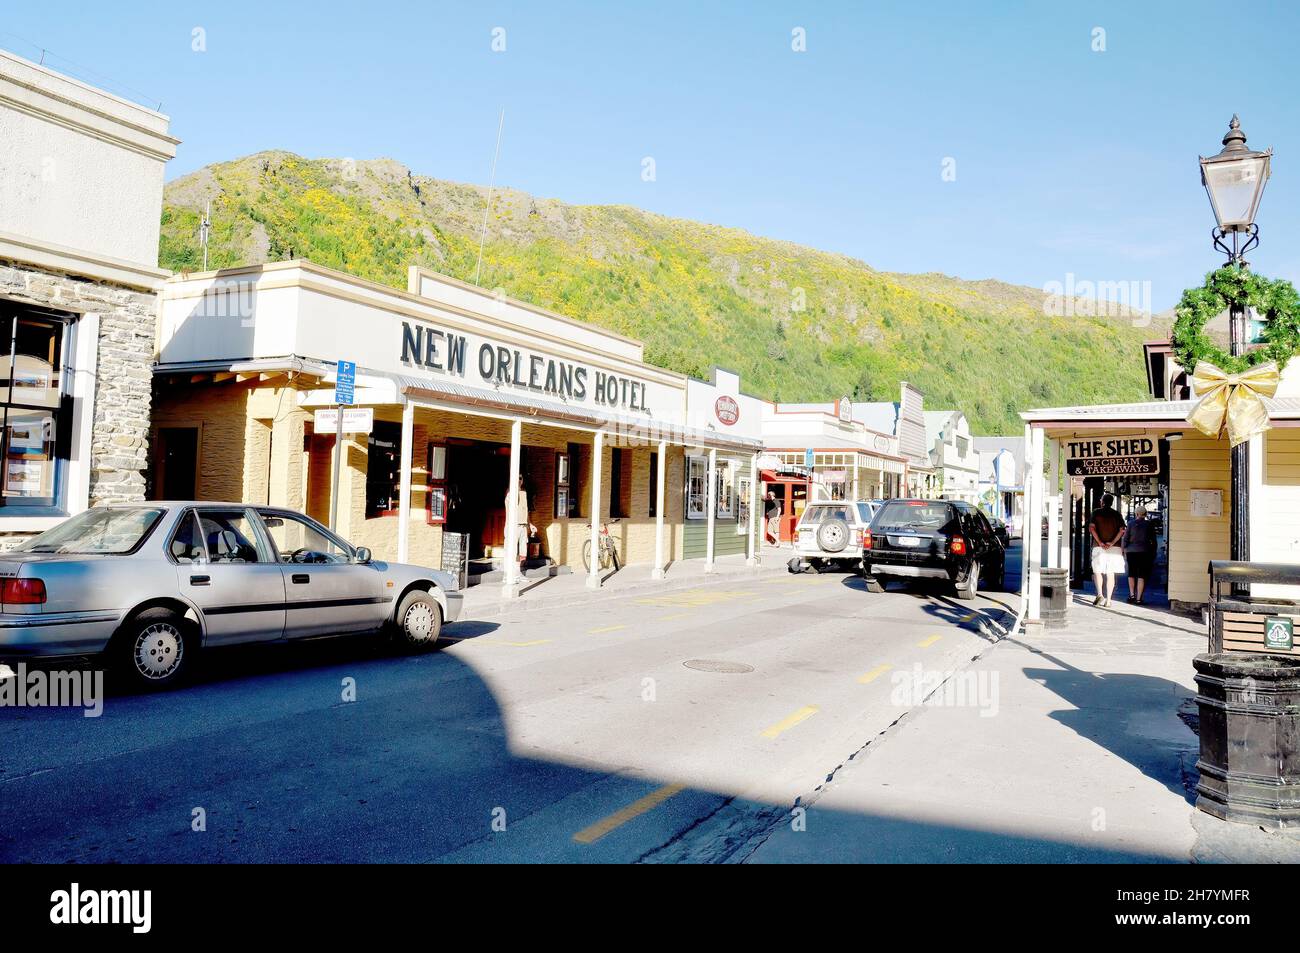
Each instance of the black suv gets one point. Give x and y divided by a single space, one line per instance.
933 539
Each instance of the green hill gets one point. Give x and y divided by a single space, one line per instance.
797 323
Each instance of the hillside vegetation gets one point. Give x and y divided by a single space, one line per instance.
797 323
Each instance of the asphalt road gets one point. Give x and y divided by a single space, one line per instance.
576 734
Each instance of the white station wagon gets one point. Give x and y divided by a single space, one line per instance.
830 534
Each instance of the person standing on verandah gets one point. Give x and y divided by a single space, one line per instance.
772 518
524 528
1106 527
1139 552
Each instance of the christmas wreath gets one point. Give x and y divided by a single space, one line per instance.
1276 301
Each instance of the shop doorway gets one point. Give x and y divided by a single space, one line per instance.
176 458
477 475
791 489
1151 493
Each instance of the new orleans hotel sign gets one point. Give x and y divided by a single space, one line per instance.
1112 456
491 363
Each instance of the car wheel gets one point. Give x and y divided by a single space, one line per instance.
873 584
833 536
418 621
156 649
968 587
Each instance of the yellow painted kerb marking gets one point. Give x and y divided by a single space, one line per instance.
874 674
926 643
785 724
608 628
589 835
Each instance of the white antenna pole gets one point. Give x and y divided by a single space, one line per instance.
491 185
204 227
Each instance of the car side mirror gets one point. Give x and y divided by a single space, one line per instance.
362 555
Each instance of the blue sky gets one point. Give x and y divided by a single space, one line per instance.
1067 160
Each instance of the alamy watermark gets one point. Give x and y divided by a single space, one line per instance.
24 687
969 689
1098 299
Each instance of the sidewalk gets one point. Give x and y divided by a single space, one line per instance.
571 588
1079 750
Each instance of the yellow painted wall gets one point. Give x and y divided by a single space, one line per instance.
1275 507
1196 463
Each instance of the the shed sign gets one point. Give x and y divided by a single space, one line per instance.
1112 456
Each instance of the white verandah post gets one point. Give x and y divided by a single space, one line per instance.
1053 497
597 455
711 505
1032 534
658 571
404 492
510 587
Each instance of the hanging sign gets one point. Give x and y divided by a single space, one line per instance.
1134 455
355 420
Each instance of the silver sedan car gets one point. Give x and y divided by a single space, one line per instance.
151 584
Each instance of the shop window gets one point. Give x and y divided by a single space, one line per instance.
697 475
563 484
652 510
575 481
383 469
36 418
620 486
725 494
435 499
742 505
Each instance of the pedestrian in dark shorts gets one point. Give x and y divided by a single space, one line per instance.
1139 553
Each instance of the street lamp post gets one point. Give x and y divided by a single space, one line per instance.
1234 179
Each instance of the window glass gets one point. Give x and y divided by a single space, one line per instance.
725 493
697 469
864 512
923 516
102 529
31 405
187 544
383 468
229 536
298 540
812 515
29 455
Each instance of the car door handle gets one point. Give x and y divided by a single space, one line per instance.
301 578
200 580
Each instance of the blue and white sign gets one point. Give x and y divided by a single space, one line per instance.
345 382
808 458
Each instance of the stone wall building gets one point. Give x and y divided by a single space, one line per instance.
81 172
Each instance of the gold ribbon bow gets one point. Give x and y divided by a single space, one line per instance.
1232 400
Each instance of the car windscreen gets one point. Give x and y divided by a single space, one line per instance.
915 515
864 511
103 529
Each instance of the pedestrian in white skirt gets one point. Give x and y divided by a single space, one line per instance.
1106 527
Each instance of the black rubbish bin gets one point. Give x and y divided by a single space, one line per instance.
1054 589
1250 738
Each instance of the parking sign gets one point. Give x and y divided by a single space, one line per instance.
345 380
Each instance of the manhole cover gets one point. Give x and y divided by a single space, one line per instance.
718 665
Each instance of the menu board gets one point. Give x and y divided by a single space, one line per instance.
455 557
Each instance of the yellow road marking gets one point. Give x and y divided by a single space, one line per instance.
675 615
926 643
589 835
470 638
785 724
874 674
971 618
608 628
693 598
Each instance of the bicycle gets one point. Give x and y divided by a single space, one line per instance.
608 552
